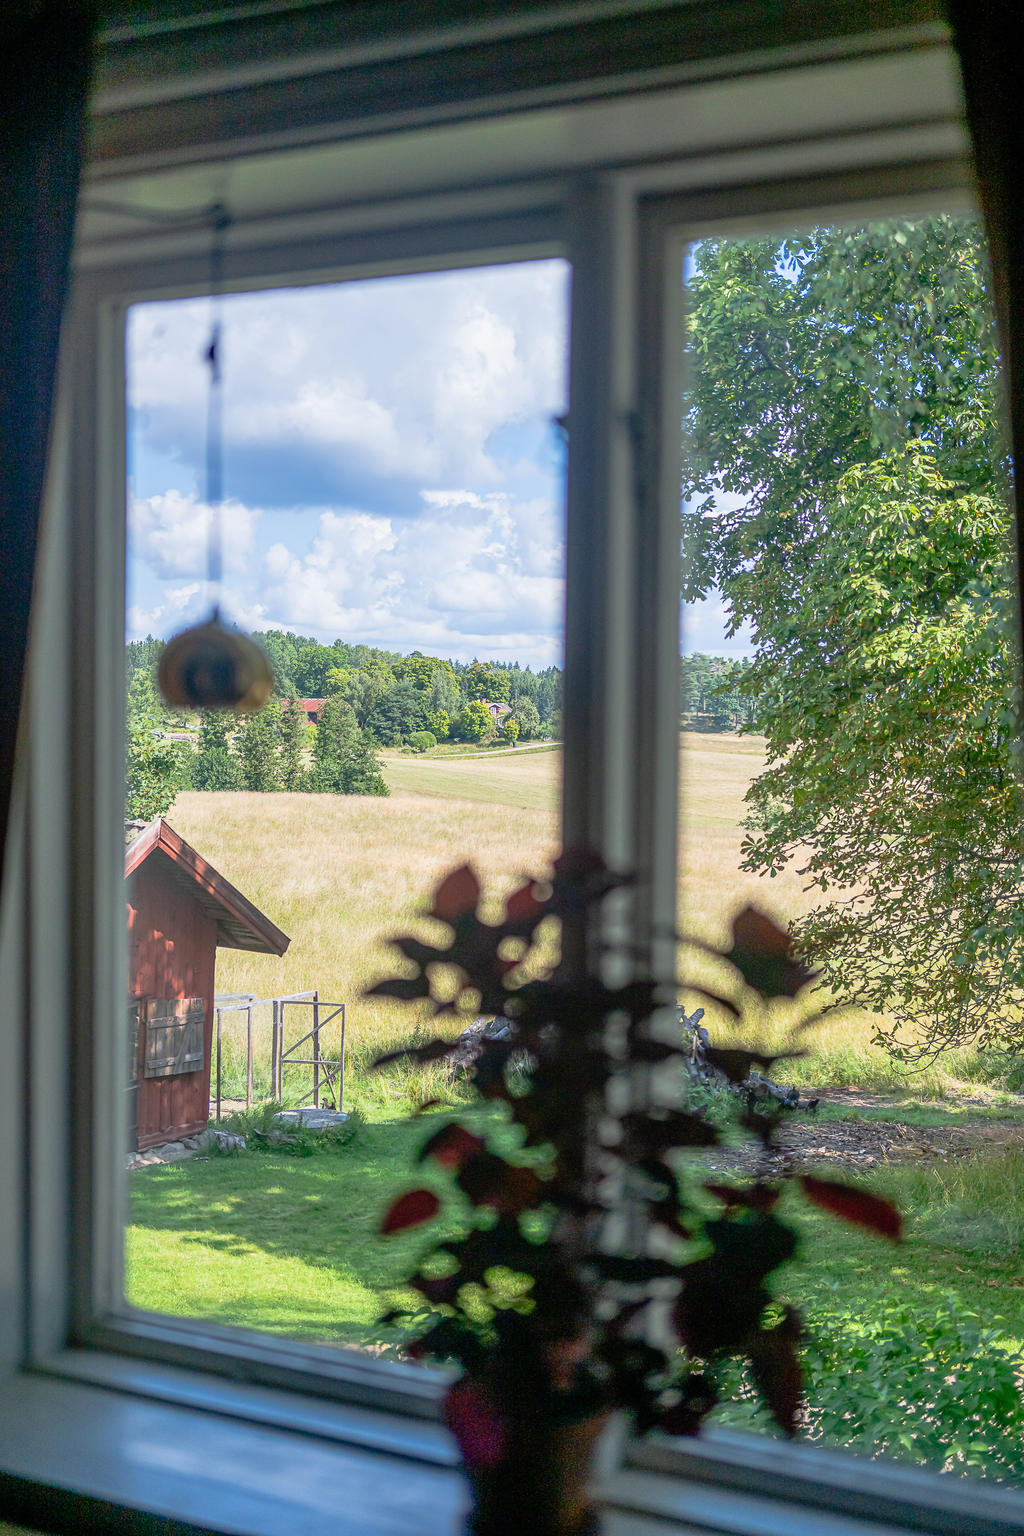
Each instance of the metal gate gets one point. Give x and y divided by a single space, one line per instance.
328 1074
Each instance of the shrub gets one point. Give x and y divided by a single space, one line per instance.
940 1387
422 741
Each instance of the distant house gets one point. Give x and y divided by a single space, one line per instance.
310 708
180 911
498 711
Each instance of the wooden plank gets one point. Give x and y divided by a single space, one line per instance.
174 1036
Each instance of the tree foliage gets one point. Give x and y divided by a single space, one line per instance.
846 490
481 680
474 722
343 761
259 748
216 766
391 698
155 771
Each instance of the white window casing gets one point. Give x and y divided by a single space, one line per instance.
216 1428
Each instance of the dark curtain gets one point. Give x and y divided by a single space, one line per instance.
992 64
44 73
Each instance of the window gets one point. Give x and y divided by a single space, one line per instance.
611 178
402 499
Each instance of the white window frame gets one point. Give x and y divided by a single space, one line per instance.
69 1346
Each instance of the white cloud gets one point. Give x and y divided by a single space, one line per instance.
348 411
170 533
406 376
475 574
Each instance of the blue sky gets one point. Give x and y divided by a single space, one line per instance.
392 474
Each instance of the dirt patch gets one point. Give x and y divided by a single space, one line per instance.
808 1141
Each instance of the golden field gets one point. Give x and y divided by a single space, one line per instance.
341 873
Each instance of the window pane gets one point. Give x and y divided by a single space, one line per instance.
393 535
849 728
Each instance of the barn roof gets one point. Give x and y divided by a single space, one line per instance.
240 925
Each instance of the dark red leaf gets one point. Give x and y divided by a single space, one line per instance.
685 1417
762 952
522 906
476 1423
719 1307
457 895
737 1065
410 1210
676 1128
432 1051
440 1290
424 1106
776 1368
854 1205
419 953
451 1146
405 988
753 1197
764 1124
486 1179
714 997
665 1213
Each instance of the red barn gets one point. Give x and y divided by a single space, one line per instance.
180 909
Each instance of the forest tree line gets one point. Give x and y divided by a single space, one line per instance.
372 699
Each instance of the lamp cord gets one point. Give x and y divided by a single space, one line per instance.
215 411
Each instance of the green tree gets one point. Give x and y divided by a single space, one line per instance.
155 772
846 491
292 746
510 729
527 718
372 681
280 647
343 762
696 681
259 748
439 722
482 681
312 664
216 766
396 715
474 723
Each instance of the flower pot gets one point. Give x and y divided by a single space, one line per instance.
528 1470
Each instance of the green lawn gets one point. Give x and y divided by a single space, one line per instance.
264 1240
902 1338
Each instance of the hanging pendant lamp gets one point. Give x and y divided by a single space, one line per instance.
210 666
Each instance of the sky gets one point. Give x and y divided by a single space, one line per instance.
392 470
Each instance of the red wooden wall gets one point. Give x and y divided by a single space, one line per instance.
172 953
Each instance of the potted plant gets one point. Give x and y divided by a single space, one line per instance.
590 1280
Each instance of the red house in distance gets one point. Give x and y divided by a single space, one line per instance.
310 708
180 910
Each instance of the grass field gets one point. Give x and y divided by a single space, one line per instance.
340 873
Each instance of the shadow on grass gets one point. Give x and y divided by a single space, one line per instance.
286 1244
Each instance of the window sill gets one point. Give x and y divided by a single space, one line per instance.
171 1452
76 1456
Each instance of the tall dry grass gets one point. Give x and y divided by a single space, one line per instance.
341 873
